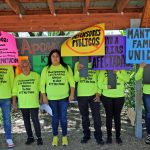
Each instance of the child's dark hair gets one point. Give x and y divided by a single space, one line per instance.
61 60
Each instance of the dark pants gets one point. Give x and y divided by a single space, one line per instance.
26 112
113 107
84 102
59 109
146 101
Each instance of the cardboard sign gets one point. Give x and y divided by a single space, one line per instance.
84 60
88 42
8 49
114 59
146 74
111 79
138 45
36 48
40 61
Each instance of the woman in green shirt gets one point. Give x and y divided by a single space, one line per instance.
6 84
26 88
146 99
113 101
56 84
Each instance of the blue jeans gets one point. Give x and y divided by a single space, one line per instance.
59 109
146 101
5 105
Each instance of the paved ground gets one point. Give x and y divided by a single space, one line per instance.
75 134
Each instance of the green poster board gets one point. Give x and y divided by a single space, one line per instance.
40 61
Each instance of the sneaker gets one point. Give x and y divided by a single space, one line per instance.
85 139
10 143
109 140
29 140
118 140
99 141
55 141
147 139
39 141
64 141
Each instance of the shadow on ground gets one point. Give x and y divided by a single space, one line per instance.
74 134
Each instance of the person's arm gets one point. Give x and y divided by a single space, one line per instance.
42 85
139 74
101 81
123 75
71 96
99 91
71 83
44 98
14 103
14 95
40 95
76 72
11 75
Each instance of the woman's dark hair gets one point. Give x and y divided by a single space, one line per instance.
61 60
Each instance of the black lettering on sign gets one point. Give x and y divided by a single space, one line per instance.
44 59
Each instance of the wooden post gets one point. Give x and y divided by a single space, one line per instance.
138 109
135 23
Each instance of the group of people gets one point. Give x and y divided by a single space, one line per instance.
56 87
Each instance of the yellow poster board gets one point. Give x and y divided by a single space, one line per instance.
88 42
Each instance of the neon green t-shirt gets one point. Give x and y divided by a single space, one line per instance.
122 77
55 81
139 76
6 81
86 86
27 88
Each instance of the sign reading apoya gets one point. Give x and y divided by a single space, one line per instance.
88 42
8 49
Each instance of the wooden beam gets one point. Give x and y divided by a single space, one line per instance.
120 5
146 15
51 6
86 6
16 6
66 22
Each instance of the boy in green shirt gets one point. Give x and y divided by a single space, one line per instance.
26 87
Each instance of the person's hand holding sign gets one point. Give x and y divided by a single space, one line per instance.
109 86
80 66
143 64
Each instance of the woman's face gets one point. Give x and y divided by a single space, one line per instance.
25 68
55 59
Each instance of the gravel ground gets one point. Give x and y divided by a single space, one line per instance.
74 134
